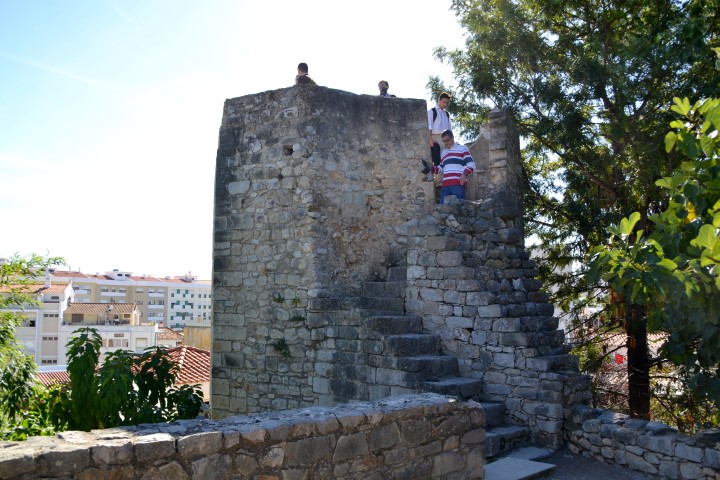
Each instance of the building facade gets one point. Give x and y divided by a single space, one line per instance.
175 301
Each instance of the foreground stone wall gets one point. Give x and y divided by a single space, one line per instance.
649 447
414 437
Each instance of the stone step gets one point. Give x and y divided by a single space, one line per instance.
411 344
395 324
462 387
531 452
422 367
553 363
504 438
494 414
384 289
510 468
381 304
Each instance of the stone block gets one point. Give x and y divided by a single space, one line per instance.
309 450
350 446
687 452
638 463
446 464
415 432
158 446
111 452
199 444
661 444
691 471
712 458
384 437
490 311
669 469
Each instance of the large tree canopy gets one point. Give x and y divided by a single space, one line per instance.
589 84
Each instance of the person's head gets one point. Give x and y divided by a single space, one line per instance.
447 138
443 100
383 85
303 68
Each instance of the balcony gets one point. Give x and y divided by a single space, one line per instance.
100 322
113 294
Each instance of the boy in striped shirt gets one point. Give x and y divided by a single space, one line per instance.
456 165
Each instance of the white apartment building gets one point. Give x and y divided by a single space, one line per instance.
175 301
54 319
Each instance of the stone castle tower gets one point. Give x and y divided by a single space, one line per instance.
337 277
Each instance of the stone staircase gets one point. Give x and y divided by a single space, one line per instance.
402 352
413 360
509 455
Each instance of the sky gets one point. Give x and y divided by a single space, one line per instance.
110 110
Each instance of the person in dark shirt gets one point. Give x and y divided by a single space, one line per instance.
302 77
383 86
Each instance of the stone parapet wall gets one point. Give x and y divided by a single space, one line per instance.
423 436
649 447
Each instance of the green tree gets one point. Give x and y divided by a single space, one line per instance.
587 83
673 273
24 404
127 389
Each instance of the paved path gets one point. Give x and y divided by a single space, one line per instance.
576 467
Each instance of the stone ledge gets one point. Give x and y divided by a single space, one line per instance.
351 438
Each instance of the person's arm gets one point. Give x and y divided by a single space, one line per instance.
430 125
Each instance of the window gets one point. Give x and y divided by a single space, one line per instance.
139 290
50 338
51 315
104 290
54 297
46 361
118 335
115 343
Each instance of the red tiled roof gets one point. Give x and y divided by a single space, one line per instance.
52 378
166 333
100 308
64 273
136 278
194 364
35 288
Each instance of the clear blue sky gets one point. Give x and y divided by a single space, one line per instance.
110 110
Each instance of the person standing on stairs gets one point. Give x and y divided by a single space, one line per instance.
456 165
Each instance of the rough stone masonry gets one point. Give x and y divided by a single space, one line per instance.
323 223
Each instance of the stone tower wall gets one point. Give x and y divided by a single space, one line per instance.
323 220
311 184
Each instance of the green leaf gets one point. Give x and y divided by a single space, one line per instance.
670 140
628 224
667 264
707 237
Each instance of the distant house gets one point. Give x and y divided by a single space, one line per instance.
194 367
53 377
169 338
117 323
